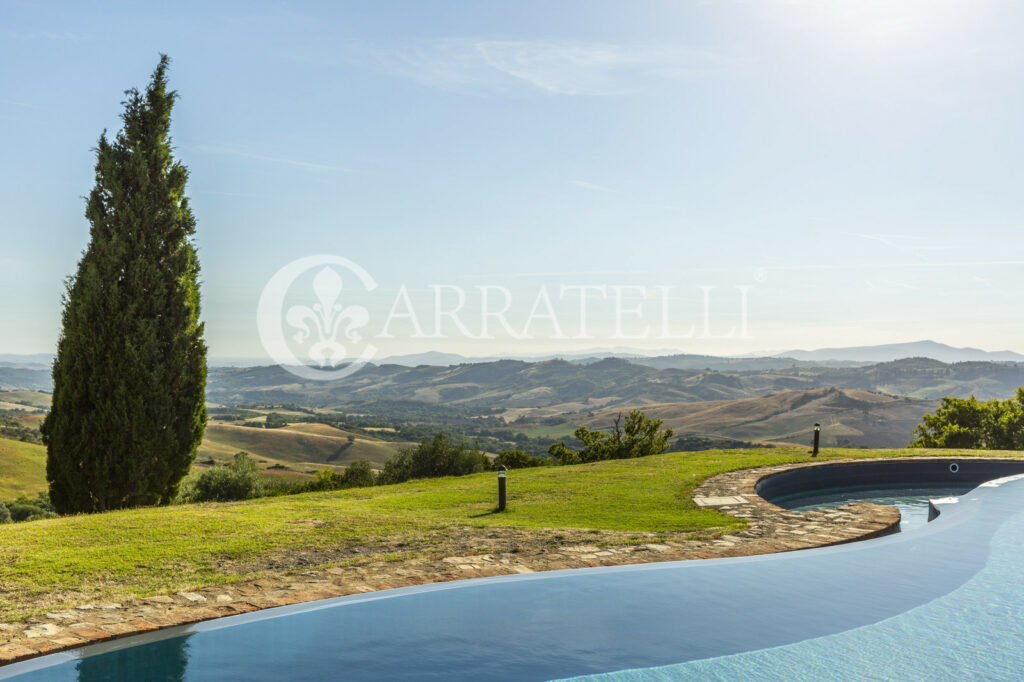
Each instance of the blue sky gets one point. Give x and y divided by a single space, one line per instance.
856 166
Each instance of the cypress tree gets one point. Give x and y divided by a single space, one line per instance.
130 373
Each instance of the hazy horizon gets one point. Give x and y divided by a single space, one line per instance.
227 361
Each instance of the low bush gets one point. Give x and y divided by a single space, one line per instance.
275 421
28 509
239 480
328 479
5 514
431 459
276 486
517 459
638 437
359 474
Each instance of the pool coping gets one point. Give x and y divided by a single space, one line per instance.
770 529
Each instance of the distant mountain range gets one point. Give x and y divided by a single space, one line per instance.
577 385
561 386
777 399
666 359
897 351
662 359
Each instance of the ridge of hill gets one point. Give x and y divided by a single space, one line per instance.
611 382
848 417
896 351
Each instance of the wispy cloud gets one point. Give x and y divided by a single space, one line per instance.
576 273
884 285
230 194
886 239
24 105
890 266
223 151
51 36
555 67
593 187
68 36
604 189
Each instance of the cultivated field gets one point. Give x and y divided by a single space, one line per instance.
298 446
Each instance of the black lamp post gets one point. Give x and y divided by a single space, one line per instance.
817 439
501 487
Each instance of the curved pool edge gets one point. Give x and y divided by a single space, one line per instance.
770 530
851 664
965 513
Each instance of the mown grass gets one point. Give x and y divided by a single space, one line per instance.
118 555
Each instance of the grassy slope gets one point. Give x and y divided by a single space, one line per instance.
22 468
294 445
34 398
847 416
148 551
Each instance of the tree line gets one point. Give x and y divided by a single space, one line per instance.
974 424
441 455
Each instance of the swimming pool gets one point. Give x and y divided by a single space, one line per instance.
937 603
912 501
907 484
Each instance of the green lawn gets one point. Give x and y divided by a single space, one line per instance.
117 555
22 469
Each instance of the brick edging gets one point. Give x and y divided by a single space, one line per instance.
774 529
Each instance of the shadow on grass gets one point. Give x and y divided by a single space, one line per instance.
488 513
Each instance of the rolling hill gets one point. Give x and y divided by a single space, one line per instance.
583 383
544 399
558 385
848 418
298 446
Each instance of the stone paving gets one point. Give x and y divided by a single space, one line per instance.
770 529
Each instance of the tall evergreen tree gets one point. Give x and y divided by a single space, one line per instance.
130 375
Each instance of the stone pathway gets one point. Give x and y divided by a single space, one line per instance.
770 529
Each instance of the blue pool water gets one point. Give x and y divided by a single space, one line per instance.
973 632
911 501
942 602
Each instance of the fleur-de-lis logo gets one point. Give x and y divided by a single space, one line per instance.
326 331
326 319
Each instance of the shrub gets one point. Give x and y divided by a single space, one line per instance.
276 486
639 437
517 459
970 423
439 457
239 480
327 479
359 474
275 421
29 508
5 514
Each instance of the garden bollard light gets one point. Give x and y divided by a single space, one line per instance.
817 439
501 487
